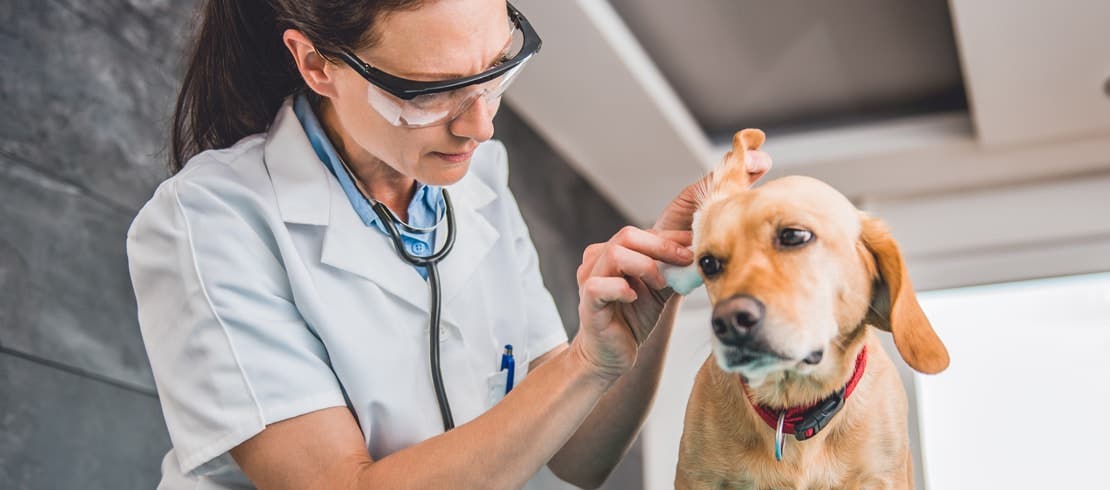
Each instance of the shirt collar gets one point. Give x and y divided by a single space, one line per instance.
427 202
302 186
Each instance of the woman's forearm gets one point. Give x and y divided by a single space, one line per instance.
602 440
505 446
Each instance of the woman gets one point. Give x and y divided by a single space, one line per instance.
289 340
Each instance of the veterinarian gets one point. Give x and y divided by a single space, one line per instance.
336 288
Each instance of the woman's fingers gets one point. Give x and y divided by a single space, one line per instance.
618 261
646 248
633 252
669 246
759 163
598 292
589 258
683 238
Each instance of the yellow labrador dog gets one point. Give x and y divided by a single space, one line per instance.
798 392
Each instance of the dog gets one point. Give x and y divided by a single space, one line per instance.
798 392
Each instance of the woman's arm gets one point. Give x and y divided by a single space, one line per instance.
502 448
505 446
602 441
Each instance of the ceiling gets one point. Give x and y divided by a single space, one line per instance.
884 99
800 64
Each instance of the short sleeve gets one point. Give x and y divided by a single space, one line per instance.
229 350
546 330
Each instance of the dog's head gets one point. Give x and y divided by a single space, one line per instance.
795 273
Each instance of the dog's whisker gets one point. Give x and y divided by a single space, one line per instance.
703 188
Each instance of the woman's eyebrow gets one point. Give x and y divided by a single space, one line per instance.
448 76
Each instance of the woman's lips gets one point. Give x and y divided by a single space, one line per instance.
454 157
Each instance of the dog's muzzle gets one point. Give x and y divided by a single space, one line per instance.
737 322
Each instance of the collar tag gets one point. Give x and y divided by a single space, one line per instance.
780 437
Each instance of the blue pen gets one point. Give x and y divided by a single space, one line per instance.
507 362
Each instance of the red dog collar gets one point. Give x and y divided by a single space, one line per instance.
806 422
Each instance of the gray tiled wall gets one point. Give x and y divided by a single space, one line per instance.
87 89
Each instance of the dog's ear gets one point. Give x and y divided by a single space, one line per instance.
894 306
732 175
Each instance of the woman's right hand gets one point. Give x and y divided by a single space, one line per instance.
617 309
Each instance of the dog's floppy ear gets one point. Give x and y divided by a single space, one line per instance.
732 176
894 306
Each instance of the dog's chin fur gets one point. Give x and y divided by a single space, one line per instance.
755 373
792 349
783 383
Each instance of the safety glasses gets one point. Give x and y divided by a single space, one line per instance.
418 104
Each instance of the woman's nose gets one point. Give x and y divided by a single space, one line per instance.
476 122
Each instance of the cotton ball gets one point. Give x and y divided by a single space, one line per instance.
683 280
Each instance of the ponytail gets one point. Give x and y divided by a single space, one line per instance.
240 70
237 76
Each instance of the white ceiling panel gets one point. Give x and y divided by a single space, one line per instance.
1035 69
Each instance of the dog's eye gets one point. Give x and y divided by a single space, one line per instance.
710 266
794 237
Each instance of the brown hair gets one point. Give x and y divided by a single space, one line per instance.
240 70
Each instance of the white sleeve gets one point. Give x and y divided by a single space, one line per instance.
228 347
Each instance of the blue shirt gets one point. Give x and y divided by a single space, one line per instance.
423 210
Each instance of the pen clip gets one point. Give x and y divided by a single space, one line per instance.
507 362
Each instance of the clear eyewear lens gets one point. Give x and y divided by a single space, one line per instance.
434 109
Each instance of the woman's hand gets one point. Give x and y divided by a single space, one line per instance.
679 214
617 306
618 280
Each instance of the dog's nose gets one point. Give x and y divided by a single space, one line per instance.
735 319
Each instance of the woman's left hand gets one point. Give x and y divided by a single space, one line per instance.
679 213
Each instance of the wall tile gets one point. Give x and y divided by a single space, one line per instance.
91 85
63 273
59 430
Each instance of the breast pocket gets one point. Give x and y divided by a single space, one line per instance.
495 387
498 381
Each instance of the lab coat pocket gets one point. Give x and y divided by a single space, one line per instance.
495 387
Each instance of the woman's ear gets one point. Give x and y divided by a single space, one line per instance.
316 71
894 306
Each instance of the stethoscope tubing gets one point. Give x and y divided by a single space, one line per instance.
430 263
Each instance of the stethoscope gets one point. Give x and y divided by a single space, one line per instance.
391 221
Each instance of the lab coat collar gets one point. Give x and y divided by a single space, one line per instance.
298 176
308 194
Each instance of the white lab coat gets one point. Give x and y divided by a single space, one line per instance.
262 296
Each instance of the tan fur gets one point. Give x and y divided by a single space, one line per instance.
823 295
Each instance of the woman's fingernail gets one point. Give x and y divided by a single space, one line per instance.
685 253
